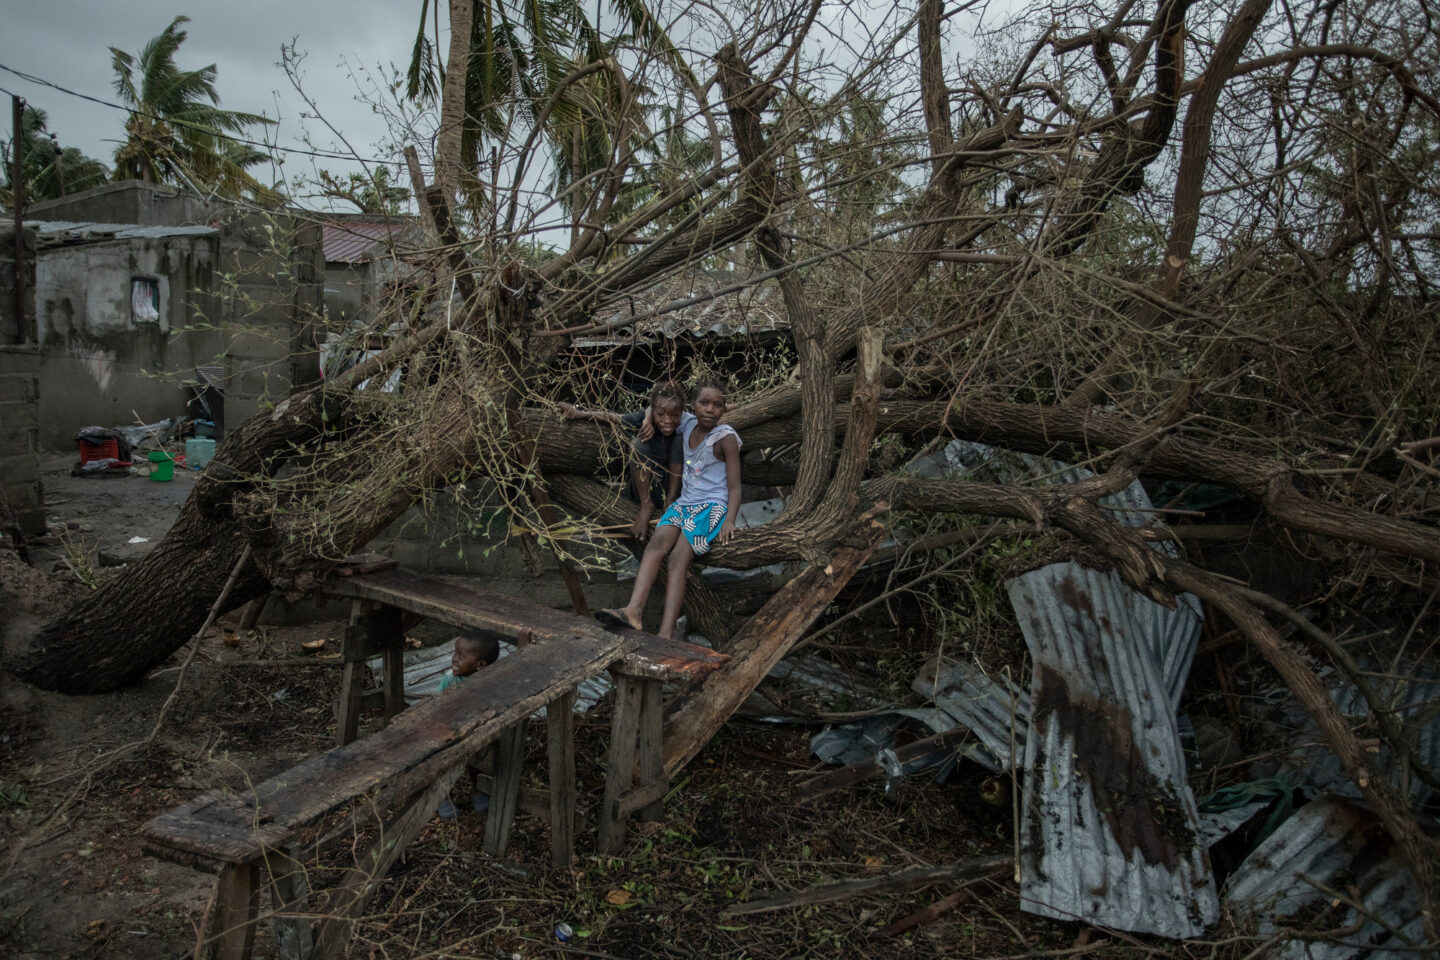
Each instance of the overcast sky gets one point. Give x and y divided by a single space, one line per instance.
67 42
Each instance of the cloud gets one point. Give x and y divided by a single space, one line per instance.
67 41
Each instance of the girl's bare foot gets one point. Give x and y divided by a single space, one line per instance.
618 618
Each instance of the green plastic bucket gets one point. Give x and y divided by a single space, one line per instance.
162 466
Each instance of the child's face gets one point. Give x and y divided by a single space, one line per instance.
666 414
466 658
709 407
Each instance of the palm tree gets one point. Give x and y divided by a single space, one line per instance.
517 54
176 131
49 170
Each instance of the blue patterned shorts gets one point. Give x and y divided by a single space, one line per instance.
698 522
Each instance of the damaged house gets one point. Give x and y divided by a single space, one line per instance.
144 293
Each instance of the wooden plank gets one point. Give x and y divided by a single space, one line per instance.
667 659
644 795
652 759
352 682
388 630
230 921
533 801
237 826
348 899
461 602
620 773
560 748
509 761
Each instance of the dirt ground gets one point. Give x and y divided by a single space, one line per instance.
75 882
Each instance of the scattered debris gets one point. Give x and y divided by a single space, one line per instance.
905 761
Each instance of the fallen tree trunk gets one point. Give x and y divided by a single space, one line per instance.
116 634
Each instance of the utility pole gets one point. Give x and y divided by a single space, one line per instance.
17 201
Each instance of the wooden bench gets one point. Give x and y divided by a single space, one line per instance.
392 780
387 784
638 721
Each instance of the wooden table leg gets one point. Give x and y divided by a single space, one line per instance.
560 737
347 707
289 888
621 765
230 921
652 755
510 756
394 683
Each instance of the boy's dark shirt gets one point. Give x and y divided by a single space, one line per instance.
657 453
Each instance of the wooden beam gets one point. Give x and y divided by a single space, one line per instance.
510 758
652 755
230 921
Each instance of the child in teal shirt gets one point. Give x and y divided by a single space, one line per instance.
473 650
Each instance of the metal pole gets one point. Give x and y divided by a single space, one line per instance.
17 201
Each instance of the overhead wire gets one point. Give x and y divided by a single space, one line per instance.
322 154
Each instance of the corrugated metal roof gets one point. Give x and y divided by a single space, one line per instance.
359 241
1110 830
61 232
985 705
692 312
1412 693
1331 845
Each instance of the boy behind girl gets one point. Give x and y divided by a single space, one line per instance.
656 448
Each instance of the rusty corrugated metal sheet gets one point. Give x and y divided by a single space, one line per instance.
1109 831
353 241
1331 852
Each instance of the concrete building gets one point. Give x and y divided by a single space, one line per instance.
138 286
363 258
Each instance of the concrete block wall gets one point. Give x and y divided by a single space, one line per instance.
22 499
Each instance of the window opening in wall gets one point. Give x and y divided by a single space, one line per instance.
145 300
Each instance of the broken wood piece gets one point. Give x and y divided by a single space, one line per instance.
966 871
926 914
863 770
